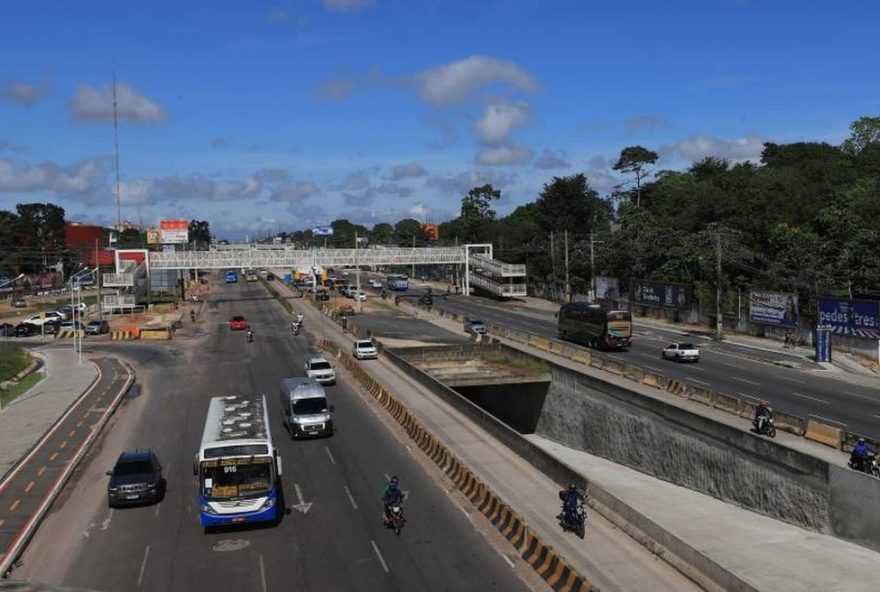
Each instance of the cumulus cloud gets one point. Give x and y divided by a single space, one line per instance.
463 182
369 193
92 104
499 119
697 147
273 175
219 142
79 179
23 93
601 181
403 171
454 82
647 123
552 159
419 211
346 5
188 187
355 182
504 154
295 192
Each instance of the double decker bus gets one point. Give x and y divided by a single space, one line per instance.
238 466
397 282
595 326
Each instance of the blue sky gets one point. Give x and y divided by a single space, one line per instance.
279 115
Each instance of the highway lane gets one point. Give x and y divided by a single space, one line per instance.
724 367
338 543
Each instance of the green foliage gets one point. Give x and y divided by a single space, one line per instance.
200 234
865 131
634 160
131 238
477 212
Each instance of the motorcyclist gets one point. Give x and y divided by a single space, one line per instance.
762 414
860 454
570 498
391 496
192 315
250 334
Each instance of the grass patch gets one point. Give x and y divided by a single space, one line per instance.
525 362
18 389
13 360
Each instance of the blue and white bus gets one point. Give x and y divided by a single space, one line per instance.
397 282
231 277
238 466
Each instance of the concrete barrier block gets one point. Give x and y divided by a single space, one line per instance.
597 362
541 343
790 423
726 403
614 367
676 387
633 373
582 357
556 347
823 433
517 336
701 395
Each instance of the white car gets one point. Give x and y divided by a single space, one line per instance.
362 296
364 349
320 369
52 315
374 283
681 352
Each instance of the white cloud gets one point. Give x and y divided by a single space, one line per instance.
697 147
82 178
23 93
552 159
189 187
454 82
346 5
601 181
504 154
96 105
463 182
403 171
419 211
355 182
295 192
498 120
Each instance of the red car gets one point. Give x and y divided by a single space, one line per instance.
238 323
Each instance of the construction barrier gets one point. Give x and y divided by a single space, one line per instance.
541 343
676 387
121 336
700 395
789 423
850 439
597 362
824 433
582 357
556 347
551 566
726 403
135 330
633 372
160 334
613 366
69 333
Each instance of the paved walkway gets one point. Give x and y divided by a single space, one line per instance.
24 421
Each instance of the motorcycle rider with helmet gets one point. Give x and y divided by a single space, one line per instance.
391 496
571 498
762 414
860 453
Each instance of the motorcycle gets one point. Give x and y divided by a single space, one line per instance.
250 336
867 464
395 518
767 427
297 327
573 519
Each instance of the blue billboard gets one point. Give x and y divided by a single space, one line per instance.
860 318
322 231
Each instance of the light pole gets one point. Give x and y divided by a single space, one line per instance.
74 309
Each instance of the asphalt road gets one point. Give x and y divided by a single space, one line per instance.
338 543
724 367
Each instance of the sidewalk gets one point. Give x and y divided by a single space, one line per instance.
24 421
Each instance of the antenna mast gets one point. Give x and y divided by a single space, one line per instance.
116 147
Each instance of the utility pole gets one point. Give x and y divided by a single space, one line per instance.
357 274
413 274
553 259
719 325
592 266
116 150
567 284
98 280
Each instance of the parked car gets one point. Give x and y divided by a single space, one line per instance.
97 327
322 295
26 329
320 369
75 325
7 330
238 323
362 296
364 349
474 326
136 478
74 310
19 303
45 317
682 352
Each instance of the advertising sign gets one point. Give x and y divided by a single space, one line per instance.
860 318
773 308
322 231
607 288
823 343
154 236
666 294
174 231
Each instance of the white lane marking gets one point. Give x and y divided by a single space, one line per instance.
507 559
387 476
823 401
618 358
744 380
851 394
330 455
660 370
788 378
379 555
695 367
698 381
827 419
106 523
143 566
463 511
877 416
263 574
350 497
752 397
730 365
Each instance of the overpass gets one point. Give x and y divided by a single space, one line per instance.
480 269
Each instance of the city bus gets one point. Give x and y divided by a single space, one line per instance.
595 326
238 466
231 277
398 282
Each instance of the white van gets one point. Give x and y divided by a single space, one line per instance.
304 408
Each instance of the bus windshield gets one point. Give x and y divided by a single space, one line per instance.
235 477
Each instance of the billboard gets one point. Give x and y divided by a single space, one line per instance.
860 318
665 294
322 231
174 231
154 236
432 230
773 308
607 288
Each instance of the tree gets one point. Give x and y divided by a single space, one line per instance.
200 234
408 232
8 242
569 203
131 238
865 131
476 211
633 160
41 228
381 233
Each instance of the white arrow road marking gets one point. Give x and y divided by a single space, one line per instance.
302 506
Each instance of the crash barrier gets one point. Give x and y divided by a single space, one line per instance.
69 333
122 336
824 433
549 564
156 334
